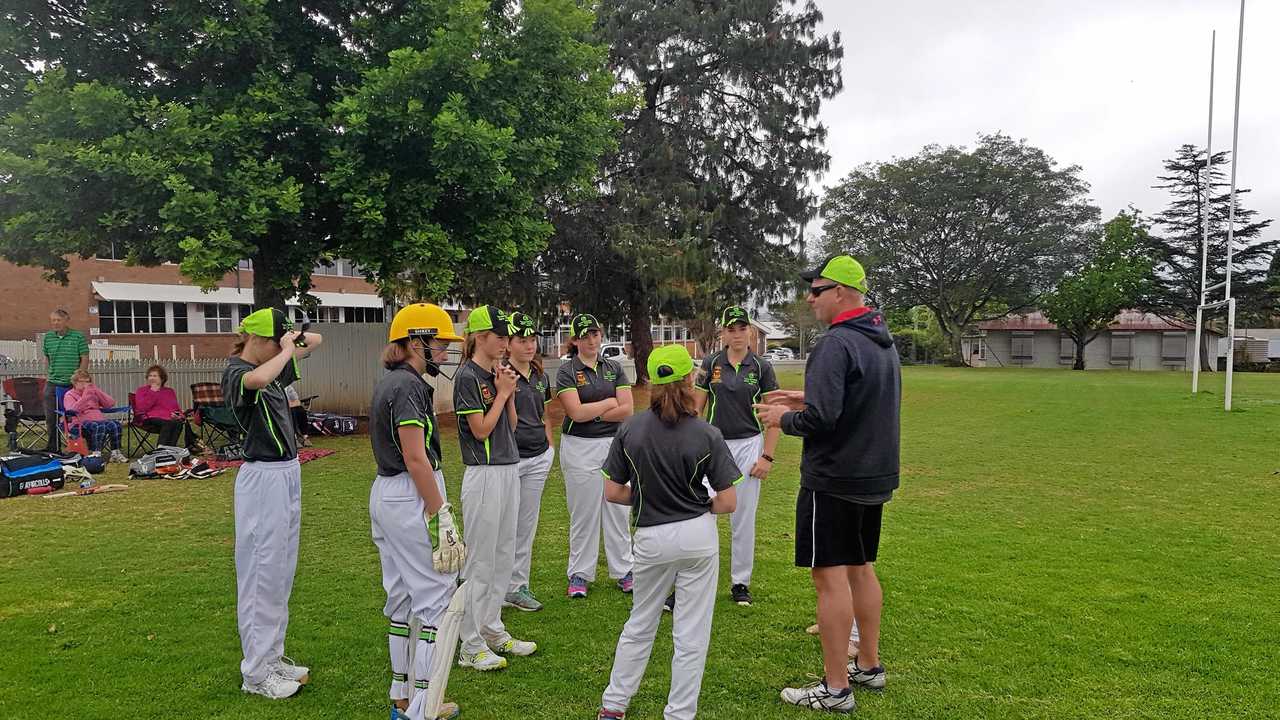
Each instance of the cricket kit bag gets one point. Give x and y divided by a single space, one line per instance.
164 461
331 424
22 474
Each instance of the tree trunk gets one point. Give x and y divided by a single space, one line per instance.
1079 364
955 343
266 286
1209 362
641 340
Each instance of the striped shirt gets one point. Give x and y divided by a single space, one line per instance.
64 353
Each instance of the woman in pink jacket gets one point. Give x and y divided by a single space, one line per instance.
155 405
88 401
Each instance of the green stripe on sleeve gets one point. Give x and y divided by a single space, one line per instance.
412 422
561 392
466 412
740 479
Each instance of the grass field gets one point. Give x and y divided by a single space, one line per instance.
1064 545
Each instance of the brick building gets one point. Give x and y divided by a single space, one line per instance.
158 309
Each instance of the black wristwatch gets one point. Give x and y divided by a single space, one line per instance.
767 457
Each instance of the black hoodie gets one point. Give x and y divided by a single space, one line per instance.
852 392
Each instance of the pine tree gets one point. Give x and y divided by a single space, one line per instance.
710 181
1179 231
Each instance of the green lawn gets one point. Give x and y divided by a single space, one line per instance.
1064 545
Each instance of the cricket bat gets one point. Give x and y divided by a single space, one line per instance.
91 490
445 651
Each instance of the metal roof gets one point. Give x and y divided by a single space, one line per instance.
1126 321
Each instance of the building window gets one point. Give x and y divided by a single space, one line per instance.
1066 348
362 315
218 318
245 311
127 316
1173 346
328 313
1023 346
180 317
1121 347
245 264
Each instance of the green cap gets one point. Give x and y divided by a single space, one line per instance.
842 269
267 323
521 325
488 318
734 314
583 324
668 364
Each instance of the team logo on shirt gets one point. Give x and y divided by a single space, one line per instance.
541 386
581 377
715 374
610 375
751 379
486 394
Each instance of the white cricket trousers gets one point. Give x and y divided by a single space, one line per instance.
581 460
490 506
268 515
686 554
746 451
414 588
533 478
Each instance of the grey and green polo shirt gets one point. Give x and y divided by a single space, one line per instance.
665 465
592 384
733 389
474 391
401 397
63 353
532 395
263 415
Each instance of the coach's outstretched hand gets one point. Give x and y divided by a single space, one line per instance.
791 399
447 551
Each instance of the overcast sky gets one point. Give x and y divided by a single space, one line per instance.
1114 86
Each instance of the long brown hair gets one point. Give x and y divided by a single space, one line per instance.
241 340
674 401
469 345
396 353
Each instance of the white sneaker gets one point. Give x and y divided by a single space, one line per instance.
518 648
285 668
482 661
273 687
818 697
118 457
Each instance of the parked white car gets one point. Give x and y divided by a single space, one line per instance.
779 353
609 351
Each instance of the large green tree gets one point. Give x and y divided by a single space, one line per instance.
701 201
420 138
969 233
1116 276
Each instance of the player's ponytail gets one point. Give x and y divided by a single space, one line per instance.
674 401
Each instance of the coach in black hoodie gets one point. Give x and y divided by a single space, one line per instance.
848 417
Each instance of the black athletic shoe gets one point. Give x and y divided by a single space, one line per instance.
670 603
741 595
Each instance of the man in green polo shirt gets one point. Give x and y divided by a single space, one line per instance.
66 351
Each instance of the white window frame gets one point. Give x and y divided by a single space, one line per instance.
223 312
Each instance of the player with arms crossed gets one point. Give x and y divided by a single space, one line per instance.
268 496
412 522
649 467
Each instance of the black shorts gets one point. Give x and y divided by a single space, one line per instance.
831 531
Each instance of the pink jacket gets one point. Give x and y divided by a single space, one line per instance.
160 404
88 405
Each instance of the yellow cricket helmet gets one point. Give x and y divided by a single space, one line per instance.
422 317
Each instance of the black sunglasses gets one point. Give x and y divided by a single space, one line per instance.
816 290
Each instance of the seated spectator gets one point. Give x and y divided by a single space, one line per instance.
156 407
88 401
300 423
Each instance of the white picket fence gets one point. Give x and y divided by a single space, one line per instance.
29 350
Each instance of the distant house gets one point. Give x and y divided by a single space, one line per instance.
1134 341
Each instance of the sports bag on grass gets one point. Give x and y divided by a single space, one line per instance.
331 424
164 461
24 473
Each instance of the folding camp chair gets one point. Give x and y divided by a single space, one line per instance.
122 414
214 421
27 394
141 440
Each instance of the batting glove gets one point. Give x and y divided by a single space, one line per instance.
447 551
